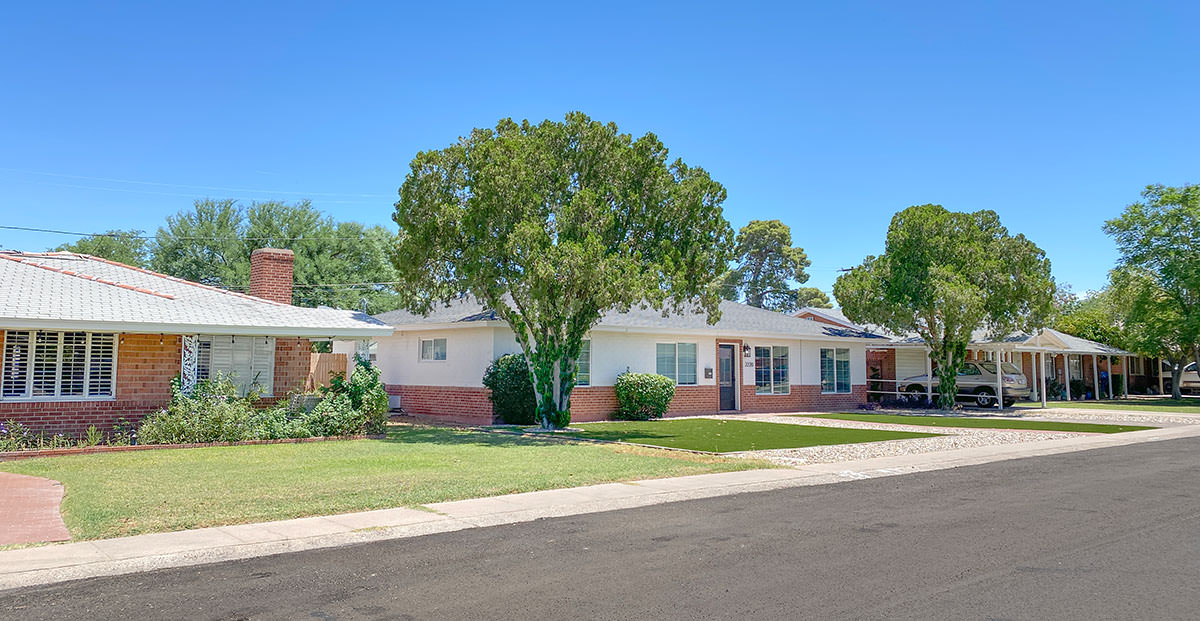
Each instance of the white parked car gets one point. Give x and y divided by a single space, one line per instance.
977 382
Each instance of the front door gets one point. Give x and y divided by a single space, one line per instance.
726 376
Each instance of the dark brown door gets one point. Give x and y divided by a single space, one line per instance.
726 376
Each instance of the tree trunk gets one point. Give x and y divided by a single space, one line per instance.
1176 378
950 357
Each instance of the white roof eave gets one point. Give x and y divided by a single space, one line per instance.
178 328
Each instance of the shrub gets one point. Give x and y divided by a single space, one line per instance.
211 413
366 393
642 396
335 415
511 383
275 423
1078 389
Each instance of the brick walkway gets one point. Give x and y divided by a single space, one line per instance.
29 510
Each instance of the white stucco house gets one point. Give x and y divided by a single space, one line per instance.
751 360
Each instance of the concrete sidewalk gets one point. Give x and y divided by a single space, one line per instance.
57 563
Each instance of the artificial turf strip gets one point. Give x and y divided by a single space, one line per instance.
726 436
1164 406
128 493
979 423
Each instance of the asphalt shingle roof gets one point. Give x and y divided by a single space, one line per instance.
61 289
735 319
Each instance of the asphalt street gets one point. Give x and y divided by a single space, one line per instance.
1101 534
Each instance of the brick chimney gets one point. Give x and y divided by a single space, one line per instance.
271 274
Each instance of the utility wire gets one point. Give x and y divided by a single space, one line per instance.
197 187
122 235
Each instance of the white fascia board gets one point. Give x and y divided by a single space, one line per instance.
714 333
179 328
453 325
459 325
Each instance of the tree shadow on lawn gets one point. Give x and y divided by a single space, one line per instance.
472 437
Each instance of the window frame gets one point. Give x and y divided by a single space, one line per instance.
433 349
89 348
585 355
772 388
836 384
1135 366
205 353
675 362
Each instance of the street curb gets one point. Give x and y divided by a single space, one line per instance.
87 559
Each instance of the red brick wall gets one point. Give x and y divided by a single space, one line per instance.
881 366
146 364
802 399
145 367
593 403
271 274
291 367
455 404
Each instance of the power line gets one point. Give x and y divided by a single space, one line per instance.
185 185
122 235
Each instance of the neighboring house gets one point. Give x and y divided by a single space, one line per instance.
831 316
751 360
86 341
1065 357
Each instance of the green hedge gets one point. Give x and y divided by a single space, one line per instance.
642 396
512 396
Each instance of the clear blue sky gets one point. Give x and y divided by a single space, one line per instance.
830 117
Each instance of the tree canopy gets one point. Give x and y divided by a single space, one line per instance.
945 274
1096 317
1158 272
551 225
212 242
128 247
767 265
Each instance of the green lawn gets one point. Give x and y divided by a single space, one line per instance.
114 494
1165 405
985 423
724 436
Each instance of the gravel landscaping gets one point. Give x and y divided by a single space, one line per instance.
946 438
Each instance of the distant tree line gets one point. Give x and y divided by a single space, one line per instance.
211 244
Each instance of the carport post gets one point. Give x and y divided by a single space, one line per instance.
1125 377
1041 374
1158 365
928 378
1108 361
1067 374
1095 378
999 379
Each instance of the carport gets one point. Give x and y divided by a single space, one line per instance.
1047 353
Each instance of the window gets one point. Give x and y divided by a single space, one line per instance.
1135 366
676 361
247 360
835 369
970 369
433 349
771 370
49 365
1076 367
583 364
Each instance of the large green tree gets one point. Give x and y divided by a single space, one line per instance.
338 264
1153 322
1158 272
1096 317
553 224
944 274
128 247
767 265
